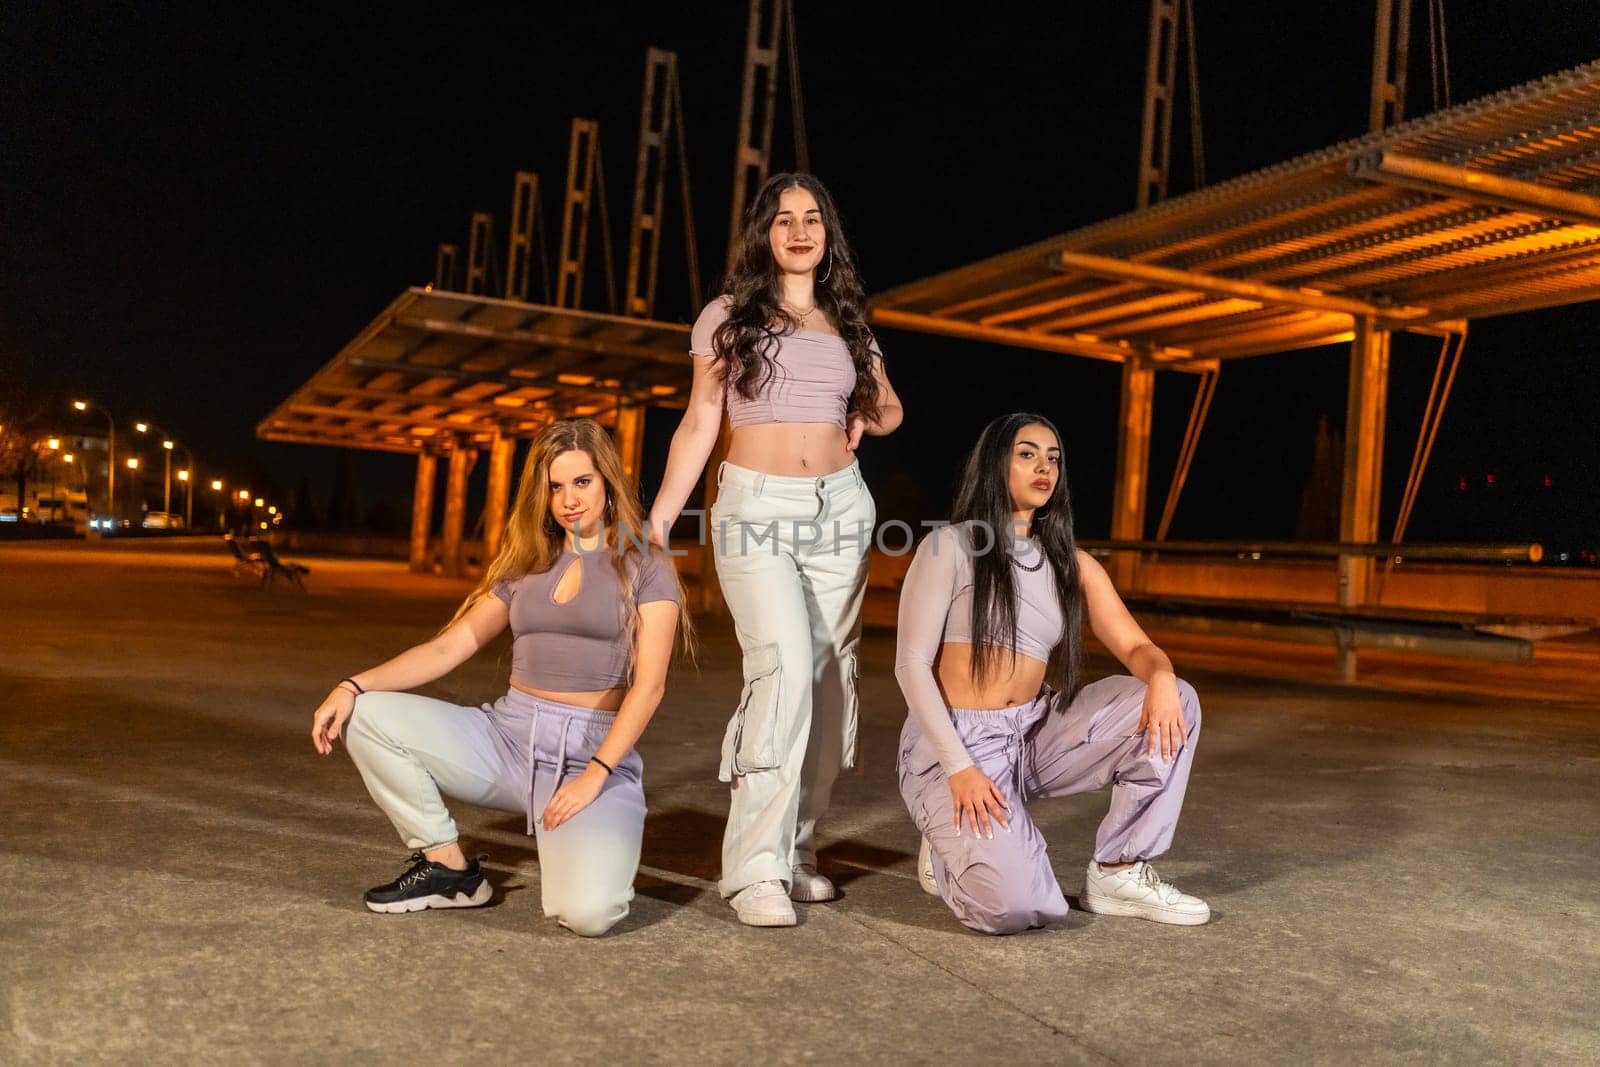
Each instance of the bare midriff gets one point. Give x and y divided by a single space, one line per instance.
1010 682
599 700
791 449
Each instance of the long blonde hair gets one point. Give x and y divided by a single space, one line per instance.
533 540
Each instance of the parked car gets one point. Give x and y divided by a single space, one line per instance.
162 520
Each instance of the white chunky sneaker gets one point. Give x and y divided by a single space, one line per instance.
925 878
1138 891
809 887
763 904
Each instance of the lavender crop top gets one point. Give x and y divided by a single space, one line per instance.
812 377
579 646
936 606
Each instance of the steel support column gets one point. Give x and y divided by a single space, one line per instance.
497 501
480 250
422 511
1391 51
519 251
1133 468
629 435
650 180
1363 460
753 154
462 459
1160 78
444 267
583 152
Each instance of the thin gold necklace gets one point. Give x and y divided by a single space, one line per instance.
800 316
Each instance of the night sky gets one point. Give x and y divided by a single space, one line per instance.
201 205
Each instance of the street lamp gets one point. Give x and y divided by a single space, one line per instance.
111 455
168 444
216 502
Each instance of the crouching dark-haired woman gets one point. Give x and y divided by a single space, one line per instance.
594 615
992 605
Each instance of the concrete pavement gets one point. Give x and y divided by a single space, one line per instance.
1392 876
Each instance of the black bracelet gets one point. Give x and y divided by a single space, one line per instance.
610 770
353 682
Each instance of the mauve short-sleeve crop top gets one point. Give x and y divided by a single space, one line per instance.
579 646
812 375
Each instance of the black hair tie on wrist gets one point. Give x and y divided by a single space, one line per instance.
354 683
610 770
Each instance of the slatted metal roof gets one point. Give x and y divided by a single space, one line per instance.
440 367
1484 209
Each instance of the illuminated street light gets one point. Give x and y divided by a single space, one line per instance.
133 463
216 485
67 457
166 483
272 510
244 494
111 456
260 503
54 444
183 476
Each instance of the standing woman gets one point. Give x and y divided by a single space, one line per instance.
992 605
786 348
593 615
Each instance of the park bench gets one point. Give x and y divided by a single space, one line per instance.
261 559
245 561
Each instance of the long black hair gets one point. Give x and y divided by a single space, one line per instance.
743 344
985 497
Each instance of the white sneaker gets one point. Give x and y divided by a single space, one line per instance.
763 904
925 878
809 887
1138 891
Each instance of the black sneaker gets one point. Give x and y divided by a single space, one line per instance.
431 885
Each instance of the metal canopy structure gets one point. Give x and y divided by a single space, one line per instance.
452 374
437 371
1484 209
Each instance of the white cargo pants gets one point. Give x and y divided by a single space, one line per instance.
792 560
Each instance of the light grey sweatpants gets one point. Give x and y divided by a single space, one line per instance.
512 755
792 561
1003 884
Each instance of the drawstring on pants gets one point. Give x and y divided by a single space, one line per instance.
533 757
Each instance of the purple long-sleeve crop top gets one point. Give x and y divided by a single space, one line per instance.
579 646
812 376
936 607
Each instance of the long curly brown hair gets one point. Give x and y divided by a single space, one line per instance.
743 345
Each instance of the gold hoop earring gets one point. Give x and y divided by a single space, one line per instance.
828 269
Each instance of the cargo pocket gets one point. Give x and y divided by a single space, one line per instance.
849 672
921 784
751 743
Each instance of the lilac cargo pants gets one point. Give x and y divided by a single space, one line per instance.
1004 884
